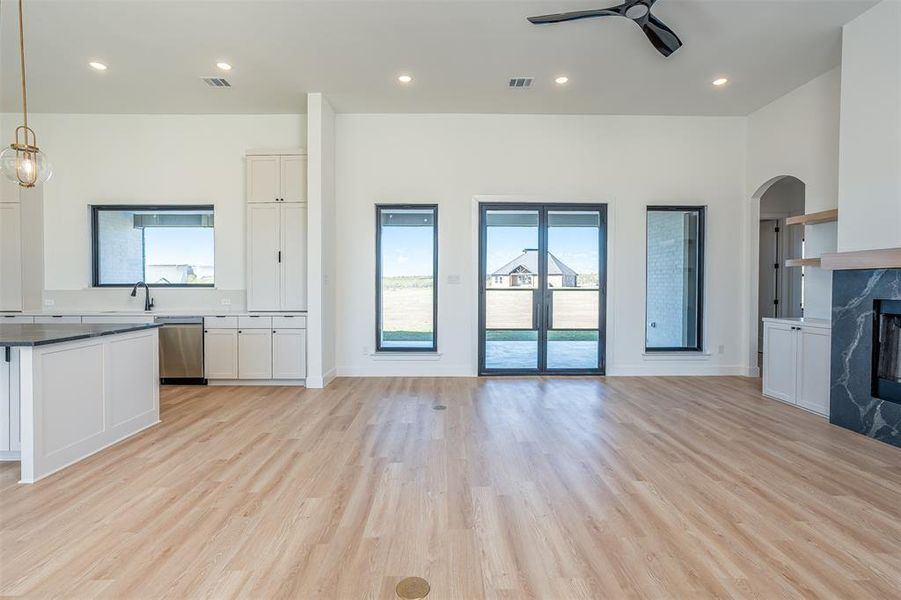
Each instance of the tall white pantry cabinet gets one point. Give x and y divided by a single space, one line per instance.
276 232
269 347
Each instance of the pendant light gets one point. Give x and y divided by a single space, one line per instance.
23 162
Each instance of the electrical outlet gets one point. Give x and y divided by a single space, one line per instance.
225 301
721 349
49 301
365 350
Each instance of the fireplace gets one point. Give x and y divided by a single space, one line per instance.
887 350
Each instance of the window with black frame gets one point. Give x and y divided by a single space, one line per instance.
406 278
675 279
163 246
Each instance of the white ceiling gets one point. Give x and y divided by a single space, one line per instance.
460 53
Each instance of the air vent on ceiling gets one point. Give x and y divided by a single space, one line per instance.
521 82
216 82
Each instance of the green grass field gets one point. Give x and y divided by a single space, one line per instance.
408 313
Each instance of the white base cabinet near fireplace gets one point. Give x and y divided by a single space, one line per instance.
796 362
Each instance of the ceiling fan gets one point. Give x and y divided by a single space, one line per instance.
662 37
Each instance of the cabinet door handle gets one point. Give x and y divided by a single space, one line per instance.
279 256
239 331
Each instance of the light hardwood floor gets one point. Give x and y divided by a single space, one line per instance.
523 487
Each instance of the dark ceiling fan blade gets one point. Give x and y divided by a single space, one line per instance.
663 38
574 16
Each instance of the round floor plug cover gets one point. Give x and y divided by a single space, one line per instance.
439 407
412 588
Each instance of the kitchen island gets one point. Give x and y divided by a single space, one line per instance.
70 390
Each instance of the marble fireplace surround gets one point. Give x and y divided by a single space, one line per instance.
852 404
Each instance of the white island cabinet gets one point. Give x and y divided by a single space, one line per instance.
70 390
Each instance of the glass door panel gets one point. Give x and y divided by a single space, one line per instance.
510 286
573 266
542 288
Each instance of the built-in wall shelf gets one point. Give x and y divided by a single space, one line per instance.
826 216
885 258
802 262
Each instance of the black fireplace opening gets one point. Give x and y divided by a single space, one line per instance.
886 366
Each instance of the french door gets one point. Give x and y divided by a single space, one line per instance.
542 288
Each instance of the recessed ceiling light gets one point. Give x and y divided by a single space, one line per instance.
224 66
97 66
404 78
562 80
719 82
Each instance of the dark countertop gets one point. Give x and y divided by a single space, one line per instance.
33 334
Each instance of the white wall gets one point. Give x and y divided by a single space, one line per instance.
321 241
796 135
785 198
869 198
628 162
156 159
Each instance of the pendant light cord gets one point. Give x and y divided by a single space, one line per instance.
22 59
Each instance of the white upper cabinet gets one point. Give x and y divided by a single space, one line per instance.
276 232
9 190
294 178
277 178
10 256
263 179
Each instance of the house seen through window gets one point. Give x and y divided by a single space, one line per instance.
162 246
675 278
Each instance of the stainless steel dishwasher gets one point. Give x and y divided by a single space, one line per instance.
181 349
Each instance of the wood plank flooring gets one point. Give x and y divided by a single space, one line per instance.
522 488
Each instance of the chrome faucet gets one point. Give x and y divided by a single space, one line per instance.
148 301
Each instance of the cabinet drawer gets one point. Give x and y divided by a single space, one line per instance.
54 319
221 322
289 322
254 322
16 319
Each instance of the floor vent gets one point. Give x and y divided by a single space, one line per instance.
519 83
413 588
216 82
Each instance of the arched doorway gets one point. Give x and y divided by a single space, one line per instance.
780 289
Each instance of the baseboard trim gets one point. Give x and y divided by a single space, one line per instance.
676 370
419 369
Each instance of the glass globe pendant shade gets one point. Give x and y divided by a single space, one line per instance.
25 164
